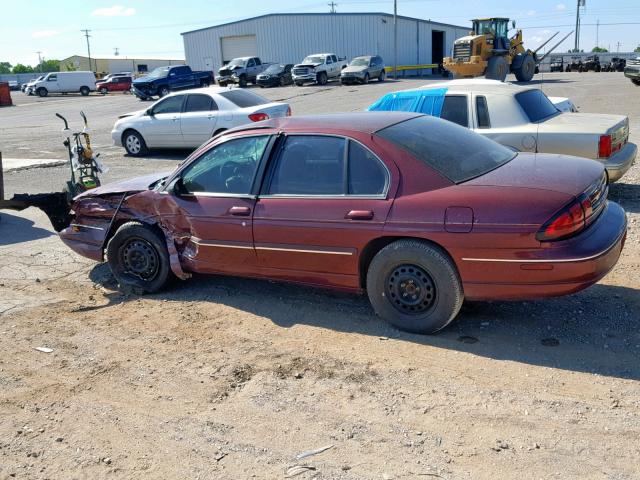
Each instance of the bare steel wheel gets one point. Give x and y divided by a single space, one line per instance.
410 289
140 259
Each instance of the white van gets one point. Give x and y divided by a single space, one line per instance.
65 82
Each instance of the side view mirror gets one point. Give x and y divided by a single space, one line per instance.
149 111
177 187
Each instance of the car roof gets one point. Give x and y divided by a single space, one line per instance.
362 122
477 84
206 90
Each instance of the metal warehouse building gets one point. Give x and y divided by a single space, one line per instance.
288 38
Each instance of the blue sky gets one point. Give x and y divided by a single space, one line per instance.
153 27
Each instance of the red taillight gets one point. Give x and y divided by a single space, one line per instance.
288 111
258 117
567 222
604 146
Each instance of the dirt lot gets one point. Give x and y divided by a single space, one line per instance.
227 378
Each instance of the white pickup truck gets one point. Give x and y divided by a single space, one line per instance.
319 68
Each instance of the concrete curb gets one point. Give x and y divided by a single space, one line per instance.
17 164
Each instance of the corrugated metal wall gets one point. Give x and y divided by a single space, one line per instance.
289 38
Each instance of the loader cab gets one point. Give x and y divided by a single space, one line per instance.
496 31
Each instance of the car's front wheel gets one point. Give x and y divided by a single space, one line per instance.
163 92
138 258
365 80
382 76
42 92
134 144
84 91
104 90
414 286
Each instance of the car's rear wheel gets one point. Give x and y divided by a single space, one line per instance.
42 92
163 91
138 258
134 144
414 286
84 91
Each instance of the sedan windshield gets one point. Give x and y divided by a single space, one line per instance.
313 59
360 62
536 105
455 152
159 72
273 69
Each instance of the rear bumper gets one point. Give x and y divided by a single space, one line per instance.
559 269
621 161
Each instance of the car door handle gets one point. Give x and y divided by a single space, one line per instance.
359 215
175 119
240 211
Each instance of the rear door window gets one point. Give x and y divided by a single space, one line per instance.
366 173
482 112
455 110
199 103
536 105
310 165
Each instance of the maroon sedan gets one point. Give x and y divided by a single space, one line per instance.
416 211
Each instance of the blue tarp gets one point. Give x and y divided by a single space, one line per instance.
428 102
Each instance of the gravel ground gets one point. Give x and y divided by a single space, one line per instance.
230 378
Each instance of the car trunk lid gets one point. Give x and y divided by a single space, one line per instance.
543 171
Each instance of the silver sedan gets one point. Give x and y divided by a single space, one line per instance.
188 118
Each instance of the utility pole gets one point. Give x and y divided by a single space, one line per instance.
39 60
395 39
597 33
86 34
580 3
116 52
333 6
618 47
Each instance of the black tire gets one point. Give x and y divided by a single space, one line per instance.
42 92
243 81
636 81
138 258
134 144
84 91
414 286
204 84
282 82
365 80
299 84
526 69
163 91
497 69
322 78
382 76
104 91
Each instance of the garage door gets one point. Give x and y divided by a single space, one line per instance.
234 47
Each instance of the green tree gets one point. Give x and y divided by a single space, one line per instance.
20 68
49 66
599 50
5 67
637 50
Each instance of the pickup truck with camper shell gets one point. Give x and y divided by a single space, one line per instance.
164 80
241 70
319 68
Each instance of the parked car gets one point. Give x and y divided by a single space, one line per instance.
418 212
241 71
189 118
574 65
524 119
319 68
163 80
13 85
113 75
277 74
557 64
632 70
363 69
591 63
616 64
114 84
63 82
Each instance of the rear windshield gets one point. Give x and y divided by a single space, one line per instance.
456 152
244 98
536 105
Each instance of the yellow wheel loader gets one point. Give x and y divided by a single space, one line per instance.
489 51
